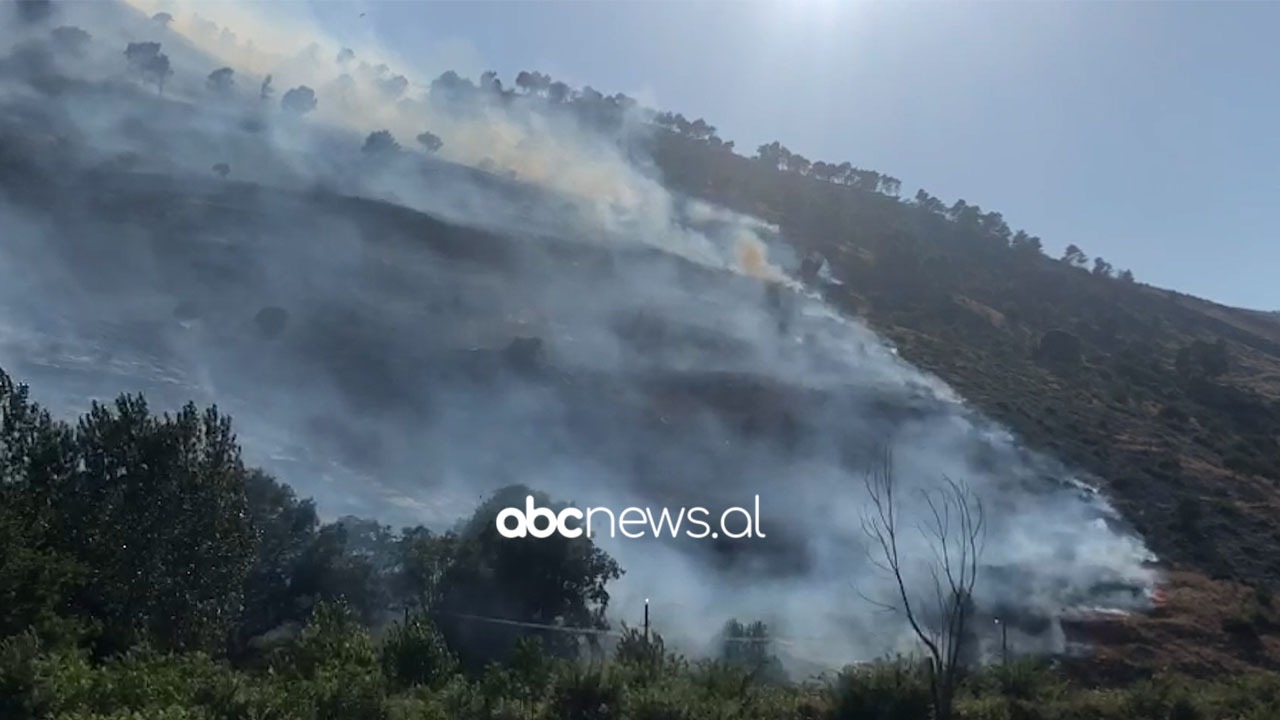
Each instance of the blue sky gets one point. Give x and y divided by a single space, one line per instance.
1147 133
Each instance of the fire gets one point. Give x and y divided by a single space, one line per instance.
753 259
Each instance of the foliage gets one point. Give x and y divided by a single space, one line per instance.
34 11
552 581
119 600
299 101
72 39
1060 347
430 141
146 61
82 637
414 654
221 81
1203 359
898 689
380 143
750 647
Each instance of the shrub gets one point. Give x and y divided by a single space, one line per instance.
413 654
1059 347
586 694
1022 679
888 690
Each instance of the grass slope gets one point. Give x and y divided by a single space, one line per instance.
1190 456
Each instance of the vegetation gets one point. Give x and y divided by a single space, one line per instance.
1164 398
33 11
221 81
148 63
430 141
149 573
299 101
967 297
955 531
71 39
380 143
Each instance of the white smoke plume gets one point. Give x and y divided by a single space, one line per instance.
675 382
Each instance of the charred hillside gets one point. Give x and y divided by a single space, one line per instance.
1173 401
406 358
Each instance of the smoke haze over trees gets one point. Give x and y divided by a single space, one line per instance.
560 288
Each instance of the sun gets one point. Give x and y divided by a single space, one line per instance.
814 15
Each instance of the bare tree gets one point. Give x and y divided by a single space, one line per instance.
953 528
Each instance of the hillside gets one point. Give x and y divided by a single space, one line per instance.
1188 448
574 291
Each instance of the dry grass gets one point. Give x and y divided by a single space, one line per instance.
1189 634
985 312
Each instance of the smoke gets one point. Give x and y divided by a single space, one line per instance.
672 375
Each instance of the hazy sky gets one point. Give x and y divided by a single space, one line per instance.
1144 132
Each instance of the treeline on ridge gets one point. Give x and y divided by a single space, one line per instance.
149 64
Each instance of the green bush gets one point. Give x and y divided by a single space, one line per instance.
413 653
890 690
82 639
1159 699
587 693
1022 679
